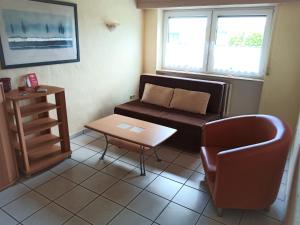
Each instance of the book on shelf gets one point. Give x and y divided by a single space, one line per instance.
32 81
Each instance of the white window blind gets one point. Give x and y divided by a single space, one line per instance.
222 41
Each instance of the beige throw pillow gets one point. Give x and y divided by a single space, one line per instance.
157 95
191 101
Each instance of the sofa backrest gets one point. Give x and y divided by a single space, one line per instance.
216 89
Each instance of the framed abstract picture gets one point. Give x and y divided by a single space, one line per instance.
38 32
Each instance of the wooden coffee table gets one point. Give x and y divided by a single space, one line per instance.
139 133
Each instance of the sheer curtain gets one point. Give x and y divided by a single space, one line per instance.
186 43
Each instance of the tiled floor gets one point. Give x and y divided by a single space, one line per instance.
84 190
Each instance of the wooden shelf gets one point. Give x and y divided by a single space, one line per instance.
41 140
15 95
34 109
40 149
37 125
43 151
48 161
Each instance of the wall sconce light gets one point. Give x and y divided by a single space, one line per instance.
111 25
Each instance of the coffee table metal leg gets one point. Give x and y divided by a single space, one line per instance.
156 155
142 161
106 146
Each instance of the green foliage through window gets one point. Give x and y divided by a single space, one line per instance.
243 40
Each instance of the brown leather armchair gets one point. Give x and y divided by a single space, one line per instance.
244 159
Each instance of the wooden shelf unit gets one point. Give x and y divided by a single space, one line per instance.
37 148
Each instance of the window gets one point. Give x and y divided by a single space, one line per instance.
219 41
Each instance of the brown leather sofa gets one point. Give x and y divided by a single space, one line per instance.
189 125
244 159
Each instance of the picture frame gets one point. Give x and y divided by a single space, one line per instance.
38 32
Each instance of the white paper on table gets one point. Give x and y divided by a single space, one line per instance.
137 129
124 126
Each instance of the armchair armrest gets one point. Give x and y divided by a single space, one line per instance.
251 174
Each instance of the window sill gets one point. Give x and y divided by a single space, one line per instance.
210 76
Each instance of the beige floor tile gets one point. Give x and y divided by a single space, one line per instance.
76 221
74 147
155 166
277 210
98 145
203 220
282 193
177 173
197 181
252 218
76 199
127 217
79 173
177 215
100 211
55 188
148 205
168 154
118 169
12 193
132 158
99 182
82 154
115 152
192 199
230 217
6 219
83 140
135 178
122 193
50 215
284 178
200 169
164 187
97 163
188 161
25 206
64 166
38 179
93 134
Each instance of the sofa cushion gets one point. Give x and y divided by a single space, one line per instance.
190 101
157 95
216 89
186 118
141 108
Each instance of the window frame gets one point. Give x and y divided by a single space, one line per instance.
186 14
211 35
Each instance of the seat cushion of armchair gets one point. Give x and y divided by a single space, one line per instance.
209 161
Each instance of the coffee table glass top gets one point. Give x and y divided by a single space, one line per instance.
133 130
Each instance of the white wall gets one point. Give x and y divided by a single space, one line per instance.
281 92
110 66
293 216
